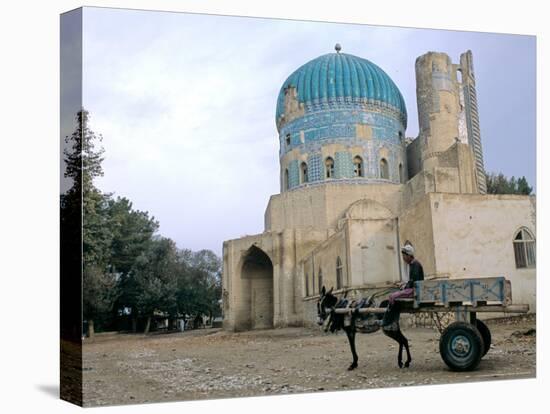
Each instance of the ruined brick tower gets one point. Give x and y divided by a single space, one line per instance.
447 110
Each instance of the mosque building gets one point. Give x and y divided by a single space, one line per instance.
354 189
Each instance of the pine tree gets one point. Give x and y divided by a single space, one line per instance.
523 186
84 213
499 184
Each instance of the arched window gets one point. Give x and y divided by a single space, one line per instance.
401 175
286 183
339 267
320 278
384 169
524 249
307 284
329 167
303 173
358 166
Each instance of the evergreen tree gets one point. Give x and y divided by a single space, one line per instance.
523 187
499 184
132 230
84 208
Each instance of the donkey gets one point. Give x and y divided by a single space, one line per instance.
358 323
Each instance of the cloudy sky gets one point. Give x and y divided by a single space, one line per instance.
186 106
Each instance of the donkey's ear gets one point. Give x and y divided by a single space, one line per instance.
330 290
323 290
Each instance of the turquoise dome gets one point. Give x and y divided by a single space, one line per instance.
341 78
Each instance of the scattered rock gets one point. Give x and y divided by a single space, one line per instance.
524 333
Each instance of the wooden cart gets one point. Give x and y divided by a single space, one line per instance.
464 342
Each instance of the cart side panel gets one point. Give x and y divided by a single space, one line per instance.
472 291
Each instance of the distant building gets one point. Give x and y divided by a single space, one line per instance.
354 188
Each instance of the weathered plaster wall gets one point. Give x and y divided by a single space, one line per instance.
374 251
323 260
414 158
320 207
415 226
460 157
244 297
473 237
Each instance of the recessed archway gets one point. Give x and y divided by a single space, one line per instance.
257 275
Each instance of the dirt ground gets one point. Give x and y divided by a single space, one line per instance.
211 363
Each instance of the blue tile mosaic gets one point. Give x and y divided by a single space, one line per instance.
293 174
315 169
340 124
339 78
343 165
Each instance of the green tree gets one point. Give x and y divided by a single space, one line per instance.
85 208
133 232
199 285
155 279
499 184
523 187
98 294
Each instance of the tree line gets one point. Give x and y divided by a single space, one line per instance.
129 271
499 184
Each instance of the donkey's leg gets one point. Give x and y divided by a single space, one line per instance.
405 342
395 336
350 332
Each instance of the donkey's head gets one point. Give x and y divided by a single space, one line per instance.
326 301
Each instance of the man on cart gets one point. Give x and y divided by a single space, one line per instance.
406 290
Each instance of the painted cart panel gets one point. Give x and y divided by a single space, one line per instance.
474 291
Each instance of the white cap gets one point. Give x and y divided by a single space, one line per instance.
408 249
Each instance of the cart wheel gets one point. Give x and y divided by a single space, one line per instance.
485 334
461 346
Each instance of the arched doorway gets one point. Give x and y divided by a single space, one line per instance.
257 275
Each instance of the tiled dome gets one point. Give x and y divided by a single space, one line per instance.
341 78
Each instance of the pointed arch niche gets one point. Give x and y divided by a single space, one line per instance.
257 288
